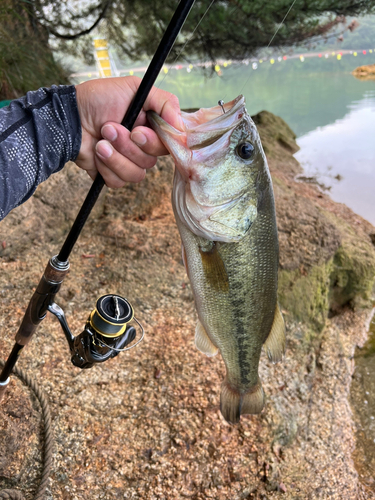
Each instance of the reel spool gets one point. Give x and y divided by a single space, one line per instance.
111 315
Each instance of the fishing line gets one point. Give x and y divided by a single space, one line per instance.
277 29
183 48
286 15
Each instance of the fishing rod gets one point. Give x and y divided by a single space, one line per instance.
107 331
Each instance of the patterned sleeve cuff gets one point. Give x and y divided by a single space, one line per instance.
70 117
39 133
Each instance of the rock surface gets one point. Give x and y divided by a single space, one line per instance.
146 425
366 72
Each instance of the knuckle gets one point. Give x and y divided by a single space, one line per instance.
119 184
174 101
113 181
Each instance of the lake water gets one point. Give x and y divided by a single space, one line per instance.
332 113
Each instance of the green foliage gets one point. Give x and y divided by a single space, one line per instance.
26 60
232 29
31 30
361 37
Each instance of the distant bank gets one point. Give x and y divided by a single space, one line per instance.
366 72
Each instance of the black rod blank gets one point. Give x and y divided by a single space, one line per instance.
131 115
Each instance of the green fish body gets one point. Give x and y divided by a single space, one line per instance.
224 208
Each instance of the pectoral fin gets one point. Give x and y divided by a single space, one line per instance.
203 342
214 268
184 259
274 346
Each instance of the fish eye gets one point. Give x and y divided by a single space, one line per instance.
245 150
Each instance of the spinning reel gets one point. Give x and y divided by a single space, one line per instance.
106 332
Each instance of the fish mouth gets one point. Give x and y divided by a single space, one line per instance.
202 200
202 128
207 125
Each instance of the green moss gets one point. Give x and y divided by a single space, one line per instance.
306 297
346 279
353 275
368 350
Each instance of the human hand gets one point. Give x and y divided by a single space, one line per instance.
109 148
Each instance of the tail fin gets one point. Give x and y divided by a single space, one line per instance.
233 404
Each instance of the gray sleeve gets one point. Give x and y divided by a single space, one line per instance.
39 133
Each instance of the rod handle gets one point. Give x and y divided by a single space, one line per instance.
43 296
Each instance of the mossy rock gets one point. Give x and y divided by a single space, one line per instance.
347 279
306 295
327 253
353 276
274 131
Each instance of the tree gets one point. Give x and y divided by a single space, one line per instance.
229 28
26 60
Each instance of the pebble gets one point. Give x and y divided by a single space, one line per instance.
282 487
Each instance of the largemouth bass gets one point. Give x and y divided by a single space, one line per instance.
225 212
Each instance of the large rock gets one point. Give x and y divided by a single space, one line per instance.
366 72
327 254
147 425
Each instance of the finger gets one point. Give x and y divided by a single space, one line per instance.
164 104
120 138
148 141
115 168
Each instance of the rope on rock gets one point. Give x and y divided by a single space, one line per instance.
48 437
11 495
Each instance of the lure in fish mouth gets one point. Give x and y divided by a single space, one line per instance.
224 208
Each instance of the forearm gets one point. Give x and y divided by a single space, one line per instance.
39 133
